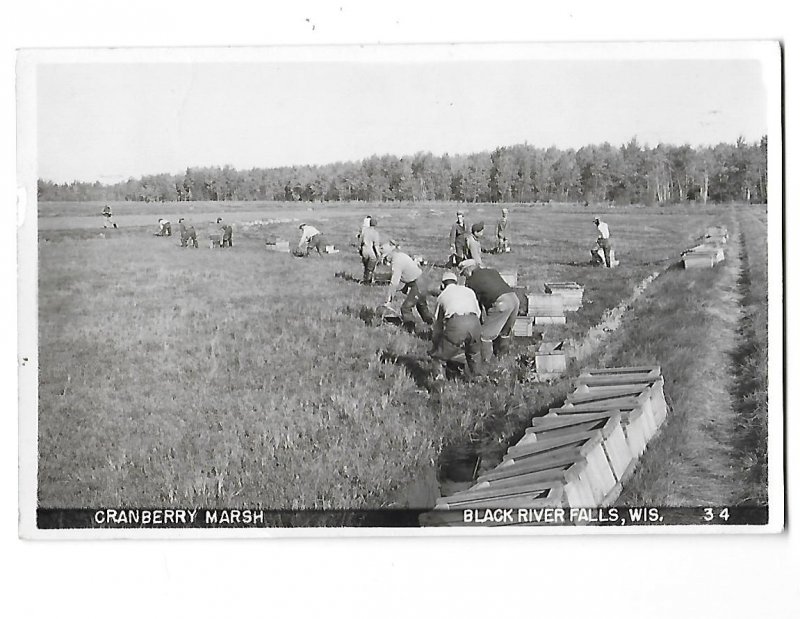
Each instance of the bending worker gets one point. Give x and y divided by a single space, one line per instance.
406 276
164 228
457 327
370 250
311 239
188 234
499 304
604 239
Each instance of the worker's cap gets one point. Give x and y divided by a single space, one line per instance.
449 277
219 219
596 219
160 220
478 227
469 263
180 220
505 210
459 212
301 226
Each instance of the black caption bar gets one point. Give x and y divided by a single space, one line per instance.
204 518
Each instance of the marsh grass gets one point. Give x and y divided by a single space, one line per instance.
246 377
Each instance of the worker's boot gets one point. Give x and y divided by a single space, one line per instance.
410 326
487 351
503 345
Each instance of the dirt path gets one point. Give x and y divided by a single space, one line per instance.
694 461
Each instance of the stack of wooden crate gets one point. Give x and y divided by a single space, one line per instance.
709 253
577 455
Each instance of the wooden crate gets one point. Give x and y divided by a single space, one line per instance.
632 420
523 326
570 292
543 304
618 376
550 320
640 403
280 246
543 494
570 469
551 358
510 277
608 423
589 445
698 260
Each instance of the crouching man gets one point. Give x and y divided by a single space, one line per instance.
457 327
406 276
499 304
164 228
310 239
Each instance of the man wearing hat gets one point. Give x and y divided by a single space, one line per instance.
458 239
227 233
370 250
310 239
474 243
499 304
603 239
406 277
164 228
457 326
502 240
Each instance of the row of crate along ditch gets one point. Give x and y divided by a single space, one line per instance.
576 456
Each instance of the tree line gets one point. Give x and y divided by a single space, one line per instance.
627 174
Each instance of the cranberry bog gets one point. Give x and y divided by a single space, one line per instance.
245 377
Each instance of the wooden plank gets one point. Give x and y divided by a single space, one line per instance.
510 277
523 326
637 431
543 304
550 320
548 494
631 369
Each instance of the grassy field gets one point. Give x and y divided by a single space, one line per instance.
246 377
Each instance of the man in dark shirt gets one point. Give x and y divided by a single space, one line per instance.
227 233
499 305
188 234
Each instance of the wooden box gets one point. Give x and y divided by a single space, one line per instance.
543 304
632 420
550 320
542 494
523 326
570 292
619 376
550 358
589 445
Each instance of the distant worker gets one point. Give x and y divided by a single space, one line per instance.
364 226
406 277
310 239
370 250
474 243
499 304
108 218
457 327
458 240
188 234
604 239
227 233
164 228
502 240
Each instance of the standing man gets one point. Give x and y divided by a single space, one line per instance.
499 304
370 251
458 239
406 276
311 239
457 327
474 243
227 233
188 234
108 218
502 240
604 239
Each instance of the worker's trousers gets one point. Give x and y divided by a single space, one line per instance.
460 332
500 317
415 299
606 245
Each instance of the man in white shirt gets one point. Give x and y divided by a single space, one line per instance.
164 228
311 239
406 277
603 239
457 327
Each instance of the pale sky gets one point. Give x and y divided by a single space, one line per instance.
108 122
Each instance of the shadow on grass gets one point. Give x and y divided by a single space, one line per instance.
349 277
419 368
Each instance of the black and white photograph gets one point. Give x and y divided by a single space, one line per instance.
432 290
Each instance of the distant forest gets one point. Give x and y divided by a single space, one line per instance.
598 173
